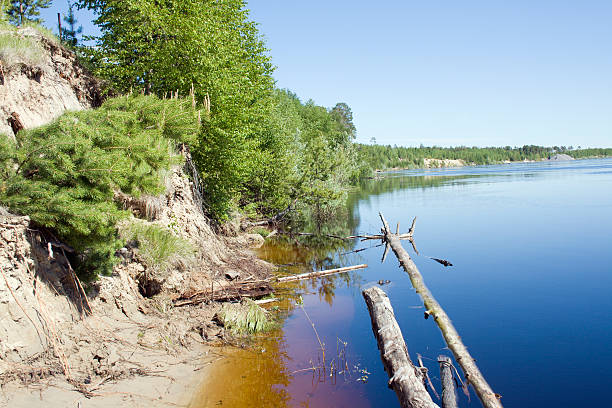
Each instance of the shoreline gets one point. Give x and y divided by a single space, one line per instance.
392 169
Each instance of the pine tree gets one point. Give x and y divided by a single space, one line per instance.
64 175
70 32
22 11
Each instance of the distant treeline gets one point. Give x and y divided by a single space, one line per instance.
386 157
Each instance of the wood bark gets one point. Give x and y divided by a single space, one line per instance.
472 374
405 379
449 396
316 274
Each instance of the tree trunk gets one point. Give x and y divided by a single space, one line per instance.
405 379
472 374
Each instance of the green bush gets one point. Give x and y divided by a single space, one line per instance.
64 175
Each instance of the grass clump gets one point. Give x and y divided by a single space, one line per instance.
261 231
16 49
244 318
43 31
65 175
158 248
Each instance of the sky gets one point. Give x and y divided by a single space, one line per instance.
446 73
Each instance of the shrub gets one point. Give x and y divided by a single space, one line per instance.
65 175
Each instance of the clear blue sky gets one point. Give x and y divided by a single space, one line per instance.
447 73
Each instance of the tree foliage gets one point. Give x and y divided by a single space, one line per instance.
70 31
211 47
259 148
64 175
22 11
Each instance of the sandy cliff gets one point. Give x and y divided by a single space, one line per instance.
39 91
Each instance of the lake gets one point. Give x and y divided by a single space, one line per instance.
530 292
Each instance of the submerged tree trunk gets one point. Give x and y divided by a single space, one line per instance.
449 396
405 379
472 374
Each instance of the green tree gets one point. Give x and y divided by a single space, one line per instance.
65 175
343 114
22 11
211 47
70 31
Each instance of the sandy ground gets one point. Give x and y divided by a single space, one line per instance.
174 386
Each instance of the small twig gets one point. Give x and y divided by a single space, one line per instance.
385 253
315 331
425 371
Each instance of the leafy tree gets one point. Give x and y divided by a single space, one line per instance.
69 33
21 11
343 114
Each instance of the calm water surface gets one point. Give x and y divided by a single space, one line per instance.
530 292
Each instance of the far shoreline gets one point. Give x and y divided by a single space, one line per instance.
472 164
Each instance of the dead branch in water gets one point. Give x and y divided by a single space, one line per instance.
315 274
239 290
488 398
405 379
449 396
425 370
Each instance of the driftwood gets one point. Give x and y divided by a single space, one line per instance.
449 396
405 379
226 293
309 275
472 374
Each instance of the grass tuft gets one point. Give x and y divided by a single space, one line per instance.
43 31
246 317
15 49
158 248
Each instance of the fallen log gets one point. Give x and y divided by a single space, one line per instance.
237 291
315 274
472 374
449 396
404 378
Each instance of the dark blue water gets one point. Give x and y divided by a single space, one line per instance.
530 291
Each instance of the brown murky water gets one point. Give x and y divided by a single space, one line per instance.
286 367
